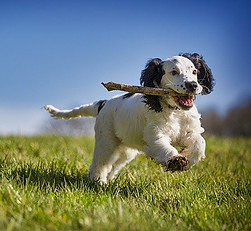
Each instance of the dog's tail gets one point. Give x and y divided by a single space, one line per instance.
90 110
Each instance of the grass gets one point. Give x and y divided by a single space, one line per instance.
44 187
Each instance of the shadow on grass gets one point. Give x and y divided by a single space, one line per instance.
54 178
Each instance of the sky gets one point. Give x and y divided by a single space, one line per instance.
58 52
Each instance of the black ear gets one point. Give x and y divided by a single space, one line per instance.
152 73
151 77
205 77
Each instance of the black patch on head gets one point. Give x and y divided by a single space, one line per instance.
150 77
125 96
152 73
101 104
205 77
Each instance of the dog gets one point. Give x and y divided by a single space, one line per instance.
132 123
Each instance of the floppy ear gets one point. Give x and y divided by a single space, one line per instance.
205 77
152 74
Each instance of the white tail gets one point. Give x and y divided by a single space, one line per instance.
90 110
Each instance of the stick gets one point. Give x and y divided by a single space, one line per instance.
110 86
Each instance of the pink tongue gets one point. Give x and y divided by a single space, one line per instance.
187 101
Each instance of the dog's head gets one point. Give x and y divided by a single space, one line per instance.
187 75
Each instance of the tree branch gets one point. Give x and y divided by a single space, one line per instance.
110 86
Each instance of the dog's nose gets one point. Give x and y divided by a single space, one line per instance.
191 86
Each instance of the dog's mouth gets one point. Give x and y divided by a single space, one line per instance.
184 101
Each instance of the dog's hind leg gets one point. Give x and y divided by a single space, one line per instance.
125 156
104 156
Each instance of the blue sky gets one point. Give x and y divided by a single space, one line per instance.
58 52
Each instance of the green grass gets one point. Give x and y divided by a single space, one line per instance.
43 186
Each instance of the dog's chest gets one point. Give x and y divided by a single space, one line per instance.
176 125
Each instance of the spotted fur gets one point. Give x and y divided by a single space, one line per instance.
133 123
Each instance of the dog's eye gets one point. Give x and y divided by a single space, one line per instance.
194 72
174 72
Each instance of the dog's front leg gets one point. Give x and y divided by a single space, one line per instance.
160 149
194 148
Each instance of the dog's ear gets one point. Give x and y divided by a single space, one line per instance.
151 77
152 74
205 77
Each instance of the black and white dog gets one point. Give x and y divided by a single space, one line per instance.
132 123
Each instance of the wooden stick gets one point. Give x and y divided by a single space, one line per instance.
110 86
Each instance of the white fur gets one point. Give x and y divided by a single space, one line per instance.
126 126
184 67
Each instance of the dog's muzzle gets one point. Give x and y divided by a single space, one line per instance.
191 87
186 101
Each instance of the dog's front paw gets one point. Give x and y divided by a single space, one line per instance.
177 163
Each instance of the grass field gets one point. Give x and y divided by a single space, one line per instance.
44 187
